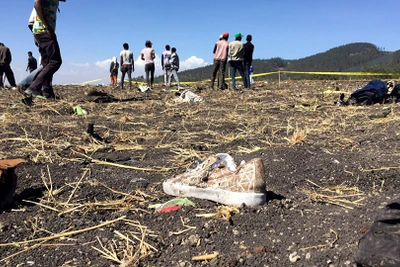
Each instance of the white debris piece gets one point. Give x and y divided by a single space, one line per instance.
188 96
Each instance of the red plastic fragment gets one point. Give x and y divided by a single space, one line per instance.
168 209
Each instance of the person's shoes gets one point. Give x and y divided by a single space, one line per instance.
27 101
14 88
180 88
29 93
218 179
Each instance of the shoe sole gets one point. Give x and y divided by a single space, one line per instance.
226 197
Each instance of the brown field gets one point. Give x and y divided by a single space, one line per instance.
83 200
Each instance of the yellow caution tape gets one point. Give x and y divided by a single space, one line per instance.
279 72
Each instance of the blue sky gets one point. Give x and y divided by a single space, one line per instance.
91 32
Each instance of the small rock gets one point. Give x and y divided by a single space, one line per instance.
193 240
259 249
3 227
294 257
308 256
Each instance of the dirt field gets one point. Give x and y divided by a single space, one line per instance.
83 200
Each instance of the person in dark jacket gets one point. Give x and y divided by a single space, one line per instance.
174 61
5 61
32 62
248 48
114 71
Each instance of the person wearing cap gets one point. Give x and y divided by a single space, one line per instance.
44 28
166 66
5 61
236 55
127 65
220 57
148 55
248 57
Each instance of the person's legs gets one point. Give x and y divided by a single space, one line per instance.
165 76
47 88
233 73
241 71
26 82
152 69
222 66
214 72
130 77
174 73
247 72
1 76
123 71
147 71
169 78
10 75
51 60
168 73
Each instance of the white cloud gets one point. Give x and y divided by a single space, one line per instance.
105 64
192 63
85 65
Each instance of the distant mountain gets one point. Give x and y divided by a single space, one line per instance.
352 57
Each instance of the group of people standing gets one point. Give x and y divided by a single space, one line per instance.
42 23
169 62
240 59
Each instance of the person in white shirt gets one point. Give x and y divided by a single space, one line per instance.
148 55
127 65
166 66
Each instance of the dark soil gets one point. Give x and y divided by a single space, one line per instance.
74 180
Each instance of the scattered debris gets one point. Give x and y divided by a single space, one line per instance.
188 96
224 212
78 110
342 196
205 257
144 88
293 257
171 205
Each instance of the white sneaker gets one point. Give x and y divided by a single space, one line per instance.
14 88
219 180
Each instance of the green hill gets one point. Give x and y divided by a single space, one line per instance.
352 57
